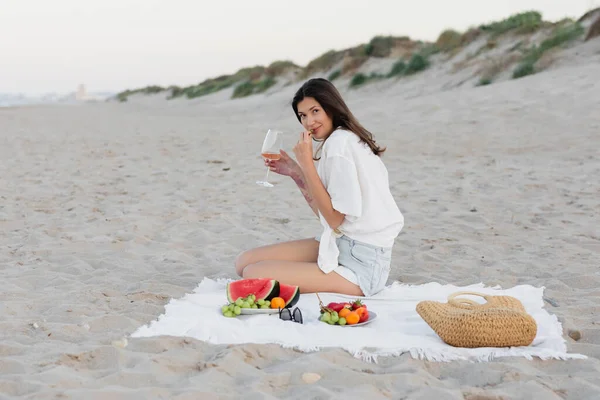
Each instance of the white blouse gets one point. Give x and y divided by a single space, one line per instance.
357 182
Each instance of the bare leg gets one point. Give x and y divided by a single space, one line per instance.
293 263
305 250
307 275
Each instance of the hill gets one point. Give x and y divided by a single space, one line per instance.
520 45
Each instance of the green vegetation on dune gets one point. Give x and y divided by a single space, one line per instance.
278 68
358 79
449 40
418 62
412 57
213 85
563 34
397 69
484 82
249 88
526 22
382 46
146 90
334 75
259 77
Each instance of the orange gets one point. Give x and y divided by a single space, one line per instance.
277 302
344 312
352 318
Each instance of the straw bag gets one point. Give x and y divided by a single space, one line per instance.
501 322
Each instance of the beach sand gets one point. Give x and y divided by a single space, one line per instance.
110 210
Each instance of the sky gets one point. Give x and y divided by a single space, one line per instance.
113 45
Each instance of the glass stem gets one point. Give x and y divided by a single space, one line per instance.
267 175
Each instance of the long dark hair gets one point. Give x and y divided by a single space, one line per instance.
334 105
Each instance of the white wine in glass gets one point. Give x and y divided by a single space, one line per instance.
271 151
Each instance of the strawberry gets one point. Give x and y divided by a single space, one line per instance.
358 304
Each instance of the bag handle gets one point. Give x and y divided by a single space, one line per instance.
465 302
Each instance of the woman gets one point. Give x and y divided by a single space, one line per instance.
348 191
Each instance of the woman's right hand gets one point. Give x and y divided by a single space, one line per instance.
284 166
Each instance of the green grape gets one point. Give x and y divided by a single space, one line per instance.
231 306
342 321
237 310
261 302
250 301
268 303
334 317
245 304
253 297
326 317
239 302
228 314
264 307
225 308
254 306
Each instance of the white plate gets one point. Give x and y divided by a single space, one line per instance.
372 316
254 311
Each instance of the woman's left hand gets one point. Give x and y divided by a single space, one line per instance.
304 150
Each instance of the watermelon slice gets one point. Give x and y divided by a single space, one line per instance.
262 288
290 294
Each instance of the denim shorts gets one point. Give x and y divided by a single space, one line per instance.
363 264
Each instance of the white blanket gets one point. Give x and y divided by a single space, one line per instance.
396 330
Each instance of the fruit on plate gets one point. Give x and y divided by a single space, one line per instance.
261 288
233 309
258 293
289 293
344 313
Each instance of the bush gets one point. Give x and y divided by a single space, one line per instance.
429 50
560 36
122 96
524 69
448 40
264 85
470 36
526 22
397 69
380 46
358 80
417 63
213 85
249 88
279 67
334 75
484 82
243 89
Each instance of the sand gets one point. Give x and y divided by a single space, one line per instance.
110 210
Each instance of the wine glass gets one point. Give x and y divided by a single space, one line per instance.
270 150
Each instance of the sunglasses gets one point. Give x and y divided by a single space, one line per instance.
287 315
